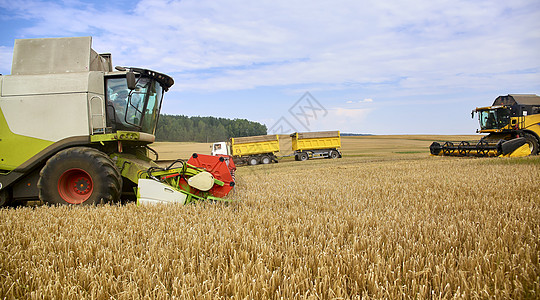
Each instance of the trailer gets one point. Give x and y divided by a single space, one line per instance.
322 144
251 150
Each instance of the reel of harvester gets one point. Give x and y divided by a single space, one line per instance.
481 148
465 148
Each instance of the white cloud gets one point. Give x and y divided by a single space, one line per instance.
415 58
425 47
366 100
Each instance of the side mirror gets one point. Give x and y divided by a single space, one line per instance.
472 114
131 80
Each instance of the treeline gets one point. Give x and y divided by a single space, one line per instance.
171 128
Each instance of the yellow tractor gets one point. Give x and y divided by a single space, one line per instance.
513 127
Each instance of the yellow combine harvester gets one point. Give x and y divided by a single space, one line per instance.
513 127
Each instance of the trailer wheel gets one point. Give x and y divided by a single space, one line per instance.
79 175
334 154
266 160
533 143
303 156
253 161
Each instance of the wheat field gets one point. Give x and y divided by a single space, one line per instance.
368 146
399 226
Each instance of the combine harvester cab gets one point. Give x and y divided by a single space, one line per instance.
512 125
75 131
322 144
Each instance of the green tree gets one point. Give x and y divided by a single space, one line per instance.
173 128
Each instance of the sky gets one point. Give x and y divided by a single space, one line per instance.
376 67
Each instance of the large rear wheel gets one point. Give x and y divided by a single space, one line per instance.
532 141
79 175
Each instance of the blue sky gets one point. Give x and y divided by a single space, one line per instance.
381 67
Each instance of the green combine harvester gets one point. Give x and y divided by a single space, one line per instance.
73 130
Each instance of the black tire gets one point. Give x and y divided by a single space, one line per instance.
296 157
333 154
533 143
303 156
79 175
252 161
5 197
266 160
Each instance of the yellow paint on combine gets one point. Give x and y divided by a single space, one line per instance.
522 151
10 159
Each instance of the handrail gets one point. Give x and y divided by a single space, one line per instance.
98 117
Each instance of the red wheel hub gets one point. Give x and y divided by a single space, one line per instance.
75 186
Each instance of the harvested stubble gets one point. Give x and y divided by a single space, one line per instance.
411 226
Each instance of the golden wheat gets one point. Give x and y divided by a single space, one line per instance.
409 226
